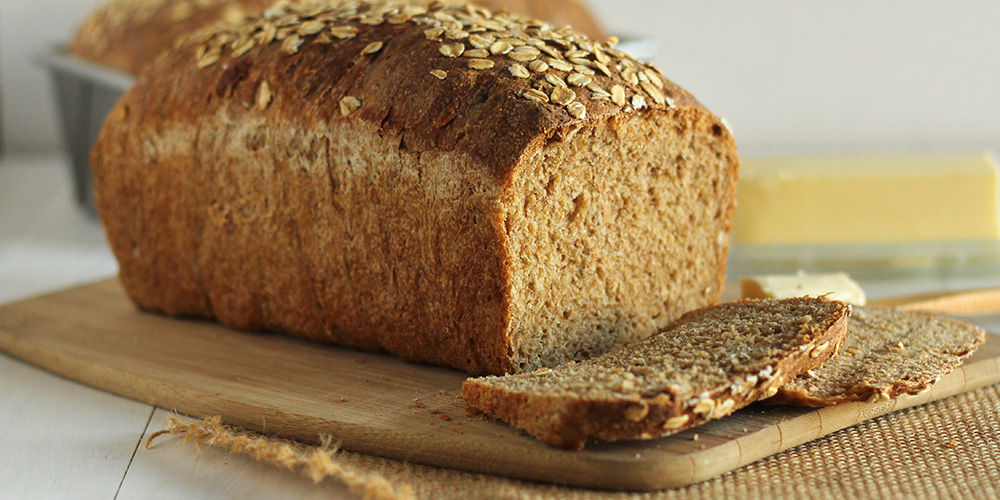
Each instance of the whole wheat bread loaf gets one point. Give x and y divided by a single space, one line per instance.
453 186
127 35
887 353
706 365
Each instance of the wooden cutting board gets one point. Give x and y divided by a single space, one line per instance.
375 404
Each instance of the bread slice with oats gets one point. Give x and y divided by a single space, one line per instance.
888 353
704 366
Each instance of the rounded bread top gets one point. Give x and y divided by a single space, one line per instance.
490 84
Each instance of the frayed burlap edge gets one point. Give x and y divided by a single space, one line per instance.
316 462
947 450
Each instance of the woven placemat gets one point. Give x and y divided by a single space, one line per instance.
949 449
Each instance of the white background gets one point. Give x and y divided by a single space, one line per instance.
790 76
802 76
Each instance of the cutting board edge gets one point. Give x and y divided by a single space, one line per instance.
629 475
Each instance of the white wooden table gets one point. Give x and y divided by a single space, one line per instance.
61 439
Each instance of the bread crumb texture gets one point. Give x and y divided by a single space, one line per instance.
706 365
375 174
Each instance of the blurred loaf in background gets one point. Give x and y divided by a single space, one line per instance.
556 12
127 35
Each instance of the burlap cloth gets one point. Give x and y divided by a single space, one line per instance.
949 449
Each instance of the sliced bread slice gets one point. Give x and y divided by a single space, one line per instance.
706 365
887 353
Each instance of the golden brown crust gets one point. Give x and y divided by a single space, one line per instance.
273 173
551 406
392 83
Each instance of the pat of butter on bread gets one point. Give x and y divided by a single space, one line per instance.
835 286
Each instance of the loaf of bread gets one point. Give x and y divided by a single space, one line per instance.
127 35
708 364
450 185
888 353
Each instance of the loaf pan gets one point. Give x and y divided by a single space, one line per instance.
85 93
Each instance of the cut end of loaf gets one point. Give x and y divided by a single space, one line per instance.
704 366
614 232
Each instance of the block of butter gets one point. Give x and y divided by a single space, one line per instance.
836 286
867 199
